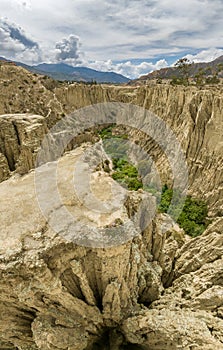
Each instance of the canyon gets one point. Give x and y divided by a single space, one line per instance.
147 285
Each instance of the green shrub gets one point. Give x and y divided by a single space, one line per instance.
166 197
192 218
106 132
126 174
179 81
212 80
116 146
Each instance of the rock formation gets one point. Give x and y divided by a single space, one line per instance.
20 139
24 92
86 264
193 114
58 292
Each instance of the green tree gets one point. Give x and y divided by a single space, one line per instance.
183 64
166 197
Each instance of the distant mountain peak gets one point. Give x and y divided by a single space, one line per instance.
62 71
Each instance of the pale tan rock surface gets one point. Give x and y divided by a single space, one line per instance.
24 92
56 294
194 115
20 140
170 330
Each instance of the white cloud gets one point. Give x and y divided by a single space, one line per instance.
205 55
8 44
128 69
68 51
16 45
29 56
22 4
122 30
114 30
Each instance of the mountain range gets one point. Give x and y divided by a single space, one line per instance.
65 72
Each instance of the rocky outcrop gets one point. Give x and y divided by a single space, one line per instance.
24 92
172 330
189 313
193 114
75 276
20 139
4 168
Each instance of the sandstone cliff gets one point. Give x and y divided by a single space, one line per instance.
24 92
194 115
57 294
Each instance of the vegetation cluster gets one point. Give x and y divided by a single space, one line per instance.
204 76
191 217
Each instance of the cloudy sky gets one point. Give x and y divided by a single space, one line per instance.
131 37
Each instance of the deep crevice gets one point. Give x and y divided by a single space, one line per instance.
71 283
16 132
10 161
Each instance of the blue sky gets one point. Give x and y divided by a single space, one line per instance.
131 37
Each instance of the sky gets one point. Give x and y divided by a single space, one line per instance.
131 37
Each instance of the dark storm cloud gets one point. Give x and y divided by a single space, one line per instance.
17 34
16 44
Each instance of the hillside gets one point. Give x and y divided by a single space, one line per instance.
65 72
85 263
209 68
